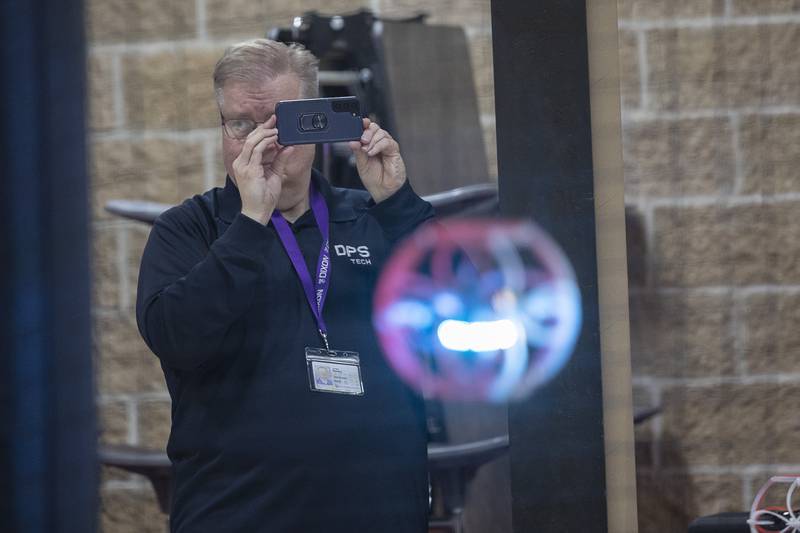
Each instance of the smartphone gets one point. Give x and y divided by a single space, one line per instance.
319 120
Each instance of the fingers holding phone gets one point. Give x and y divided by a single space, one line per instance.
326 120
378 160
264 136
258 179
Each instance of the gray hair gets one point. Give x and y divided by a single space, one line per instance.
258 60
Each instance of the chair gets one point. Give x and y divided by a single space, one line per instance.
451 468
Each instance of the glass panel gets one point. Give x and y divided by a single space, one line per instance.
710 123
709 94
420 70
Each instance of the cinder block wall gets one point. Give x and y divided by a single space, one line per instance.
711 97
154 135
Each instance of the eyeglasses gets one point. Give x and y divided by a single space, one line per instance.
238 128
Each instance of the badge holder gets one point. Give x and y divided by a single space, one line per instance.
334 371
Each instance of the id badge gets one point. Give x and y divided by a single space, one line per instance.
334 371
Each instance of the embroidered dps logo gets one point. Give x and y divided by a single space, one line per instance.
358 255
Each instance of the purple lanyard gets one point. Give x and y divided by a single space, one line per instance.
315 293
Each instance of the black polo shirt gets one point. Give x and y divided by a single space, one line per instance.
253 448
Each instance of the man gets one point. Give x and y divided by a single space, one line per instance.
230 290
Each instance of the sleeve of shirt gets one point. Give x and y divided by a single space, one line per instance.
401 213
190 294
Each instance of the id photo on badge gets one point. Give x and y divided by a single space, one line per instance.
334 371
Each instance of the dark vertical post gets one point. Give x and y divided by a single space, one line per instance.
47 440
544 151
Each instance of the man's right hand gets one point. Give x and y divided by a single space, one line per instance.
258 177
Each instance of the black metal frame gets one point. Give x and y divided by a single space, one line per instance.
544 151
47 406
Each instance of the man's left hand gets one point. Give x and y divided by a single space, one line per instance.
379 162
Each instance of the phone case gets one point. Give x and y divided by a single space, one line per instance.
319 120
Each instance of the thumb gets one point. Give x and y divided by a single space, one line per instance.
281 159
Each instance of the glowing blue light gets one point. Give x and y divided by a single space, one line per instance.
478 310
409 313
489 336
539 302
447 304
